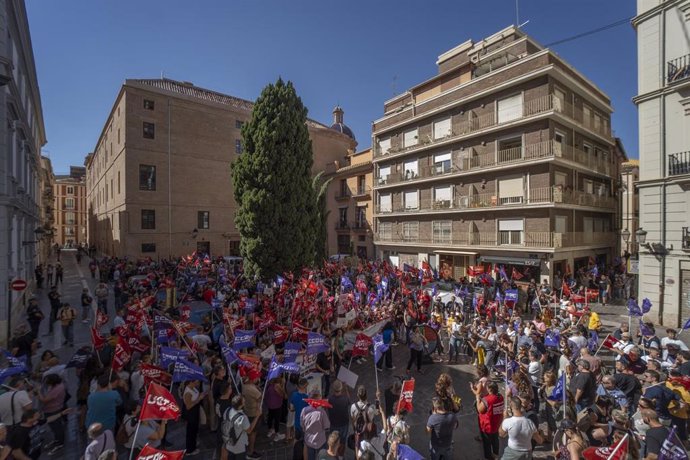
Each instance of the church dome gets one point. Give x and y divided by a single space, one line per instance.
338 124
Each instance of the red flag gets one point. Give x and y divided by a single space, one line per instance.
362 344
299 332
516 275
426 266
316 403
185 312
149 453
137 345
406 394
122 355
592 294
567 270
159 404
101 319
682 380
566 289
153 373
609 342
97 341
617 452
280 333
577 298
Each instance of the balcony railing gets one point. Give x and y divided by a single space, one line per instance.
530 108
678 69
511 239
360 225
534 196
678 163
342 195
361 191
341 225
535 151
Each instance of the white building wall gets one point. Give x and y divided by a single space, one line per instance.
648 55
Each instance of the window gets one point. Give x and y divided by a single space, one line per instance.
561 224
410 231
384 146
442 163
385 230
148 219
385 203
234 247
597 121
361 217
149 130
118 135
411 200
342 218
586 148
118 182
442 197
410 168
148 247
343 244
361 185
441 231
203 219
442 128
510 108
509 149
586 115
148 104
147 178
70 190
238 146
69 203
510 191
343 188
510 231
410 138
69 231
239 124
384 172
69 218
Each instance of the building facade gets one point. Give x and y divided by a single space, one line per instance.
663 103
158 183
630 205
70 208
47 209
505 157
22 135
350 221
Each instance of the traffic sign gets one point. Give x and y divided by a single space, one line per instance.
18 285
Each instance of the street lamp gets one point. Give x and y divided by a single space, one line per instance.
658 249
641 236
626 235
39 232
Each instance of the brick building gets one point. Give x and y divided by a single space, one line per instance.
69 192
158 182
506 157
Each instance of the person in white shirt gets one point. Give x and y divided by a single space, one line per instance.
13 403
624 346
241 426
101 440
671 339
520 431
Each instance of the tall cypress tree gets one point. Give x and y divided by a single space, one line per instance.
272 182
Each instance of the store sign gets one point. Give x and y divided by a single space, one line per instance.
633 267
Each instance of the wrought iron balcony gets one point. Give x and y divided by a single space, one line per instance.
678 163
678 69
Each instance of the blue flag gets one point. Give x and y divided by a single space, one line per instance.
502 273
686 325
379 347
406 452
594 271
79 359
557 393
645 330
408 268
672 448
316 343
9 371
275 369
593 342
498 296
228 353
646 305
171 355
185 371
434 291
474 303
384 283
162 335
280 280
292 349
575 349
14 361
457 291
243 339
345 283
161 322
511 295
552 338
633 308
250 305
216 304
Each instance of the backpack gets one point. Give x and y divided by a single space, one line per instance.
361 419
227 428
122 437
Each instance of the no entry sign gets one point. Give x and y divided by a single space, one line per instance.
18 285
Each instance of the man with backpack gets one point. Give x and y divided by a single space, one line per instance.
361 414
236 428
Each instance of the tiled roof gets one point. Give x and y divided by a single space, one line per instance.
189 89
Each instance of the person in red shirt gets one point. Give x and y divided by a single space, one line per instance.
490 408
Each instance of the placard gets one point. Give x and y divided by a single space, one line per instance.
351 315
348 377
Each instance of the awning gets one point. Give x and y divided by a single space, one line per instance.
510 260
457 253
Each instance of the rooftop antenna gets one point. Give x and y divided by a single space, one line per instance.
394 86
517 16
162 74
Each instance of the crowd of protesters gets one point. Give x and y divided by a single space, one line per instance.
536 349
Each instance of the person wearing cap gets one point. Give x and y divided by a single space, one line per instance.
583 386
671 339
574 443
624 346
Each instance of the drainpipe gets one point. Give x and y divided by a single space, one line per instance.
169 188
662 142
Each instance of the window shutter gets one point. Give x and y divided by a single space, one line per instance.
510 187
410 166
411 201
440 158
385 145
510 108
442 128
384 172
385 203
410 138
442 193
510 225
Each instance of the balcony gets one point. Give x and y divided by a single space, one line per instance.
361 192
342 225
530 240
342 195
538 196
530 108
678 69
678 163
360 226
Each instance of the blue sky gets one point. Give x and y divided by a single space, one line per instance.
356 54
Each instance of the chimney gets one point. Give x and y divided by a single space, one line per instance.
337 115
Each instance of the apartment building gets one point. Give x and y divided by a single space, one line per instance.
158 183
663 103
70 207
47 213
350 222
630 205
504 157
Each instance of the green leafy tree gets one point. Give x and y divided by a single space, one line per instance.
320 188
276 214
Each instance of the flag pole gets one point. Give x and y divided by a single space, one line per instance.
602 344
565 393
134 440
620 444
